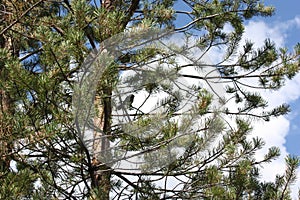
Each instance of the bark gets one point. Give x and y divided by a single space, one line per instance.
5 130
6 102
101 144
108 4
102 173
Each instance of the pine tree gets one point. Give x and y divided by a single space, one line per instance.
191 145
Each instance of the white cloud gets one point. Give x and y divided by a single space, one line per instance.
288 93
297 21
258 31
292 23
275 131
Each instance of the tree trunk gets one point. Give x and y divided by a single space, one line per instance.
101 174
101 145
6 103
5 129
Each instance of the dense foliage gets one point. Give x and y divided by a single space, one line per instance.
43 49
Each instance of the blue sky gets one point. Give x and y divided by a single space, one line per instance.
287 10
284 132
284 29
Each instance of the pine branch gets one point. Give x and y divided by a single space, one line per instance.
20 17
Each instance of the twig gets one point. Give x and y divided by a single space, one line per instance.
17 20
